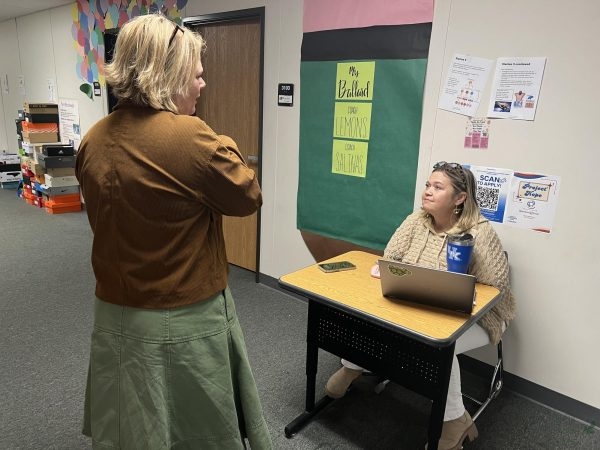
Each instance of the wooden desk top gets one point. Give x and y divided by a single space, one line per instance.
357 291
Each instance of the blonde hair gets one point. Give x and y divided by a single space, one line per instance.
154 61
462 180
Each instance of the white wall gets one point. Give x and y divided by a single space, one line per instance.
10 70
39 47
553 342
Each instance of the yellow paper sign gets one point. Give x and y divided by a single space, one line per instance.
352 120
354 81
349 158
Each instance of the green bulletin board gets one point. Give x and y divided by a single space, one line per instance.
359 145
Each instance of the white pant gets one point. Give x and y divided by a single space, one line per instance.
474 337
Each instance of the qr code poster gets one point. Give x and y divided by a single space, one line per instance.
493 186
532 201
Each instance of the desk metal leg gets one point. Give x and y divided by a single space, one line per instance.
312 362
302 420
436 419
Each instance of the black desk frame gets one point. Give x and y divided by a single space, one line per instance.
389 351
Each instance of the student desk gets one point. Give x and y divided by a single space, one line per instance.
407 343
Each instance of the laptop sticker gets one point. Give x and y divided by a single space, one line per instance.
399 271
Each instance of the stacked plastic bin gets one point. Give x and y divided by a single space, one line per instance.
41 123
48 166
60 191
10 170
38 125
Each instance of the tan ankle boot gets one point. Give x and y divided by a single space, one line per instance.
454 433
339 382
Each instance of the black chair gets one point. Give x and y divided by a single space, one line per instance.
495 385
497 379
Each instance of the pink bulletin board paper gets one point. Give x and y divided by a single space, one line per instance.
322 15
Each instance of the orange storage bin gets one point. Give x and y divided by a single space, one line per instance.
62 208
40 127
64 199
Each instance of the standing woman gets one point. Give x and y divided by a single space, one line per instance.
449 206
168 363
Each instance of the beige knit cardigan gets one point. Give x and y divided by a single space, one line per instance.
416 242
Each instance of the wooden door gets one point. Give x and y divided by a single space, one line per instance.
230 105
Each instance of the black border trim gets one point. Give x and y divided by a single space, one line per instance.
379 42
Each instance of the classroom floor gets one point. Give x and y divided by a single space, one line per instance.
45 324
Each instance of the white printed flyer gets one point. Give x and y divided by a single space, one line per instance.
532 201
465 81
516 88
70 132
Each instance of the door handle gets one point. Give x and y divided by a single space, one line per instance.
252 158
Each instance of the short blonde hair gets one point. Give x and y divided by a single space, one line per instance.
154 61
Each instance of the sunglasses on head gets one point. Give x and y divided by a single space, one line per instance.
177 28
451 167
443 164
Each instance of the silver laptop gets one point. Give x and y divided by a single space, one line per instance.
432 287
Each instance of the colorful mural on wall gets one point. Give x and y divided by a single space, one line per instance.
92 17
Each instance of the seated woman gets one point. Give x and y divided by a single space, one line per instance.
449 207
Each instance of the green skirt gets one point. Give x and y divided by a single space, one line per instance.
171 379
